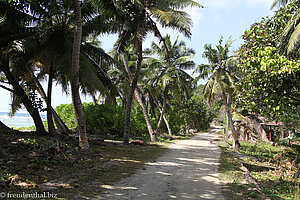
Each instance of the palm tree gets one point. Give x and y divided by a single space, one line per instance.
77 105
220 80
49 50
289 40
172 76
137 19
127 62
13 29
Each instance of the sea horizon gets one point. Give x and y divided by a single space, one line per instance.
20 119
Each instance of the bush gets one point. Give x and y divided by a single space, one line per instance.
105 119
190 114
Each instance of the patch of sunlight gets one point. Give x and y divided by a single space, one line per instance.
164 164
164 173
189 159
212 178
110 187
127 188
210 163
127 160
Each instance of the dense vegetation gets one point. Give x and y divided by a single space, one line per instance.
145 94
106 120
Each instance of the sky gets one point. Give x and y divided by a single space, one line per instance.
217 18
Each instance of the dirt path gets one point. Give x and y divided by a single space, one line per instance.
188 170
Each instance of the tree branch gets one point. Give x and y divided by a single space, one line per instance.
6 88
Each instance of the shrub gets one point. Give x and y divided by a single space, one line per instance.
190 114
104 119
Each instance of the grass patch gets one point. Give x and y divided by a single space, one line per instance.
279 164
24 165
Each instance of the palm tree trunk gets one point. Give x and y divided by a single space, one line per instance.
168 125
152 106
162 112
165 119
236 143
140 101
146 116
61 126
94 99
3 127
51 127
34 113
131 94
77 105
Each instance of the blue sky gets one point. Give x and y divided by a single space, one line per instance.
217 18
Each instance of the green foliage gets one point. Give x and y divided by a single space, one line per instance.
272 85
138 127
190 114
66 113
106 120
277 184
269 82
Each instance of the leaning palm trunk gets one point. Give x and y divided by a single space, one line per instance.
77 105
3 127
34 113
51 127
140 101
61 126
145 113
236 143
131 94
162 112
165 119
168 125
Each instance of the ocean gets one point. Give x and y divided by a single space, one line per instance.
18 120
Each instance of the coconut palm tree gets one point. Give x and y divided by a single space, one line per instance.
14 18
220 79
138 19
49 48
77 105
172 76
129 57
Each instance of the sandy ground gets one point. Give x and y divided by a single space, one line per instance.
188 170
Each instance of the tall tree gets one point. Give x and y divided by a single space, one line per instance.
220 80
13 28
269 81
77 105
137 92
172 77
137 20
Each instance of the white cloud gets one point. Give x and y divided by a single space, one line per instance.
196 15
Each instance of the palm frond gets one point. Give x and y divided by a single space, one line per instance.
177 20
289 39
178 4
279 3
294 40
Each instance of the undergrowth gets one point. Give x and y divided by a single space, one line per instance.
273 167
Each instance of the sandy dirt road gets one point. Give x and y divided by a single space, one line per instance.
188 170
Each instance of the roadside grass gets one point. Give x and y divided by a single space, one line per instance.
25 164
272 167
